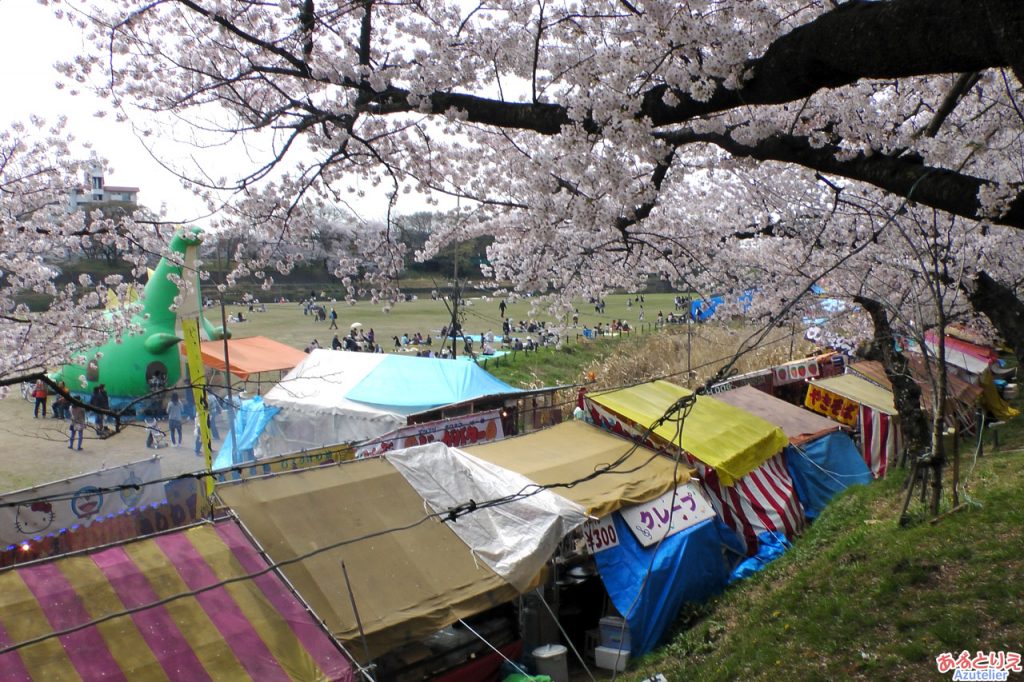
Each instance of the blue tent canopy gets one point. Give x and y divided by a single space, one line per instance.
824 467
687 567
401 381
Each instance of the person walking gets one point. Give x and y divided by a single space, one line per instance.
174 417
77 426
40 393
99 400
334 319
502 307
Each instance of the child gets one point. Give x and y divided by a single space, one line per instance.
77 424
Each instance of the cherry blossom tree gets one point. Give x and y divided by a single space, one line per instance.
39 166
575 128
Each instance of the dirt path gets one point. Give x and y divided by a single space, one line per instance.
34 451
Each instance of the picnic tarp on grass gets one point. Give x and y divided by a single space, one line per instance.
252 629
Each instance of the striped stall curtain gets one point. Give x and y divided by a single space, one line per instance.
880 440
762 501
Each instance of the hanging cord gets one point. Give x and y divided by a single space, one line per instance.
540 593
497 651
977 451
834 475
682 410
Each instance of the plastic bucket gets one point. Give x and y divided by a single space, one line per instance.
550 660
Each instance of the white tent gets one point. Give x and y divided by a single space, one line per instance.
314 410
340 397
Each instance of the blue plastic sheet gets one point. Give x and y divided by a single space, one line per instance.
689 566
824 467
400 381
250 420
702 309
769 548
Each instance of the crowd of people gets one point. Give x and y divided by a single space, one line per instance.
66 409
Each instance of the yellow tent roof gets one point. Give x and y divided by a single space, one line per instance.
573 450
726 438
411 583
860 391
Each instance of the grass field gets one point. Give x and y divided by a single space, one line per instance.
286 323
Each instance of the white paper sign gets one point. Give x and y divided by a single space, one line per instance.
600 535
668 514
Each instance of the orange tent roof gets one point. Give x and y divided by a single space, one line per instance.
251 356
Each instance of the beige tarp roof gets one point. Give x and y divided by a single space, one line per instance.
411 583
407 584
956 388
573 450
799 425
859 391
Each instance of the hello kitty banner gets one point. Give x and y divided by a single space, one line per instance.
44 509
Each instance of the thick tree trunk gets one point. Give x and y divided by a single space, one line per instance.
907 394
1001 306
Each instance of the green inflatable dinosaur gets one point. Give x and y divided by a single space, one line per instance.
142 363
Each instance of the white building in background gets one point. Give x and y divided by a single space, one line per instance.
97 194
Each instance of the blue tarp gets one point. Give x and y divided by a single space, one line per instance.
702 309
688 567
824 467
401 381
250 420
770 546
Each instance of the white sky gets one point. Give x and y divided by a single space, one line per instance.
33 41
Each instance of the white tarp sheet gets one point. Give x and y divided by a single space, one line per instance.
515 539
314 410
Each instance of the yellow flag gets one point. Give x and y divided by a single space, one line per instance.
190 329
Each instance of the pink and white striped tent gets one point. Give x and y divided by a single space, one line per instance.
737 455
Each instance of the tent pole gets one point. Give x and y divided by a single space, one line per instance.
227 375
359 622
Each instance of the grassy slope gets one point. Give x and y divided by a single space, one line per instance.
858 596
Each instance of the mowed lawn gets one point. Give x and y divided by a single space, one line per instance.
285 322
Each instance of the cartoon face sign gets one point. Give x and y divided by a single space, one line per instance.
33 518
87 502
131 496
